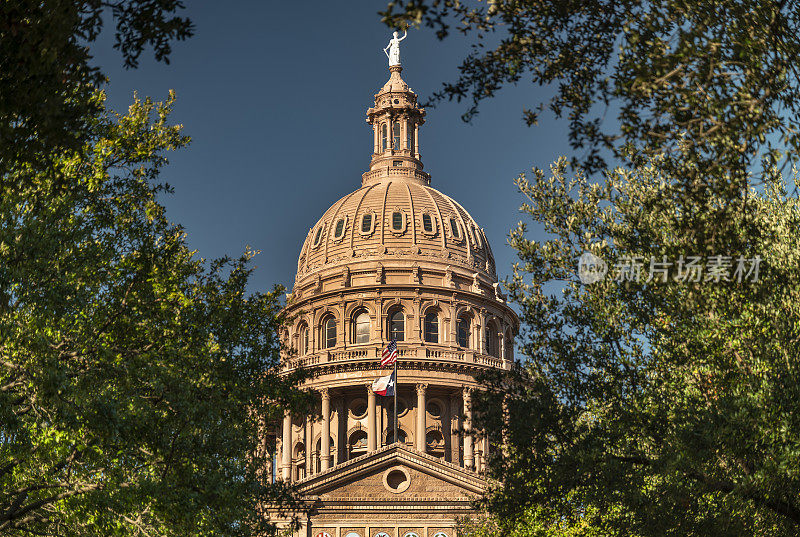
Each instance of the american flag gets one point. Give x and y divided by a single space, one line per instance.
389 355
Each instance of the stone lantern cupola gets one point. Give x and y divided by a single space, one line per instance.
395 119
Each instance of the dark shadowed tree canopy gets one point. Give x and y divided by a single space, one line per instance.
136 379
47 80
719 76
660 403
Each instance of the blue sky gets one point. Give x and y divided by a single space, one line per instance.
274 96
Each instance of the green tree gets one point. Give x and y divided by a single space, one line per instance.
47 82
718 76
136 379
659 405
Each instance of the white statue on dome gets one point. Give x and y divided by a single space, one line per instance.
392 50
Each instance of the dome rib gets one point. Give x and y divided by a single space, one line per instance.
411 216
460 217
441 218
338 206
355 215
383 216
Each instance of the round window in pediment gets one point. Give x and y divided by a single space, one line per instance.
396 479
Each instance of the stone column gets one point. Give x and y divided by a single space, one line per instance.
455 441
335 428
286 447
481 333
309 445
501 338
469 456
421 417
371 443
379 419
325 456
416 141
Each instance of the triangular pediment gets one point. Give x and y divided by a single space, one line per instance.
376 477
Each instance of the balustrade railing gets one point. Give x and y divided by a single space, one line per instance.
373 353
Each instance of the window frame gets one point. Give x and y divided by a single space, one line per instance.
355 324
317 237
391 331
396 138
456 233
403 221
427 324
339 236
466 322
384 136
325 338
371 215
433 223
302 338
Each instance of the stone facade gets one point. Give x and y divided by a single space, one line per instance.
396 259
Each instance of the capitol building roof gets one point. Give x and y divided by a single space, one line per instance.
396 214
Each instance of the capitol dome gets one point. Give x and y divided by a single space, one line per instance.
394 264
396 218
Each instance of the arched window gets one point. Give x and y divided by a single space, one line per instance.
401 434
303 339
384 137
358 443
410 136
319 453
434 440
361 324
509 346
397 326
338 232
432 327
366 223
455 229
427 223
463 332
492 342
396 135
328 333
317 237
398 221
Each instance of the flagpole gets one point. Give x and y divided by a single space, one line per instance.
395 399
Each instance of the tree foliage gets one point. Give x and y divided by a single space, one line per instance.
718 77
136 378
660 407
48 85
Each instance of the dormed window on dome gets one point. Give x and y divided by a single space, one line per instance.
339 228
428 224
398 222
476 235
367 223
455 229
317 237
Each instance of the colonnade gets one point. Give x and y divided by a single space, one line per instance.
471 452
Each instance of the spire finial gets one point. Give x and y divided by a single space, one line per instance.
392 50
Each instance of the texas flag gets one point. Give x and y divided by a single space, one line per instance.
384 385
